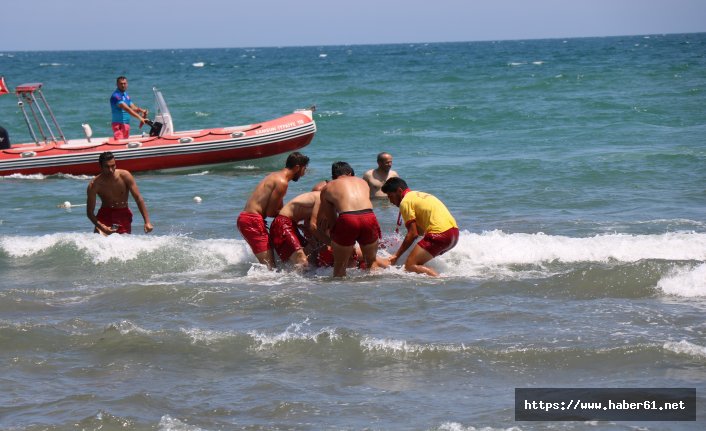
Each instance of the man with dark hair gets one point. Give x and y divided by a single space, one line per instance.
112 186
121 108
341 168
426 215
266 201
346 216
377 177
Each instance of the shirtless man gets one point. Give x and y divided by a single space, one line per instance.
377 177
112 186
266 201
287 241
346 212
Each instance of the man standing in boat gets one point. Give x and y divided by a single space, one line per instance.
112 186
122 108
266 201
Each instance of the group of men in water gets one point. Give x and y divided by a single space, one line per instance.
335 221
332 225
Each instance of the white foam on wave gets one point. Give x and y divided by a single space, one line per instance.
44 177
206 336
388 345
23 177
476 253
168 423
208 253
684 347
126 327
294 332
687 282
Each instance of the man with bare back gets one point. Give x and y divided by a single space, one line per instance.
266 201
112 186
287 240
346 215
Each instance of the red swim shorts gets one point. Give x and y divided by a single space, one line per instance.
352 226
254 230
120 130
439 243
120 216
286 238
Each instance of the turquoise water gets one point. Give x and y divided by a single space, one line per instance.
575 169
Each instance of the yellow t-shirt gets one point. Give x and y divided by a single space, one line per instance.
430 214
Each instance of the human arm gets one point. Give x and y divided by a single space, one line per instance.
325 217
314 222
134 111
91 208
275 201
135 192
412 234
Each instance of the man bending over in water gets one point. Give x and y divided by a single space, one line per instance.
266 201
347 213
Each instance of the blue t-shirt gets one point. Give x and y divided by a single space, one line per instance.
119 115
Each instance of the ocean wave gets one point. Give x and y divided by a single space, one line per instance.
677 258
300 340
684 347
687 281
168 423
476 253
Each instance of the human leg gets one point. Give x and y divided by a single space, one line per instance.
341 254
416 260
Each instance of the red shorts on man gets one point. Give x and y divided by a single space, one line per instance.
352 226
254 229
121 130
439 243
116 216
286 238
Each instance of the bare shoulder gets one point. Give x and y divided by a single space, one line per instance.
368 174
126 175
392 174
93 183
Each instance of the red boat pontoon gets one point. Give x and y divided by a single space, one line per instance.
164 148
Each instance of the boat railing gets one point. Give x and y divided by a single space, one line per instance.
26 97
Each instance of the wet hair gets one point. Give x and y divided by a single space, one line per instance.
341 168
297 159
120 78
383 154
394 183
104 157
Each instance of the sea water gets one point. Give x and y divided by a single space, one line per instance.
576 169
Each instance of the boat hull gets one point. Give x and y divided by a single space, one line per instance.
182 149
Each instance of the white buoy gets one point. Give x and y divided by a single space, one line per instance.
66 204
197 199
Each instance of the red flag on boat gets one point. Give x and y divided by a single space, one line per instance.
3 87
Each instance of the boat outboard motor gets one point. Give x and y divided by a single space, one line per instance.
155 127
4 139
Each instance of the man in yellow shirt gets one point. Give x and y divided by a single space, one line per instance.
426 215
